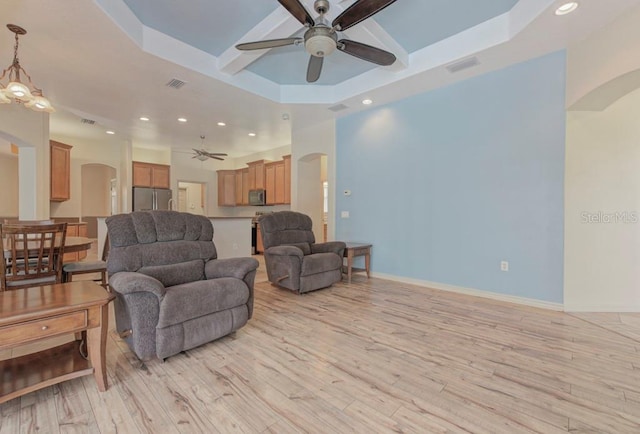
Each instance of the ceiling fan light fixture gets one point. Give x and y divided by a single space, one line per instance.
320 41
202 157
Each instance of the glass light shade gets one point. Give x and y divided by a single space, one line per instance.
15 89
40 104
4 99
202 157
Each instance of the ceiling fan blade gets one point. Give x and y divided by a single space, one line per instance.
268 43
296 9
359 11
216 158
314 69
366 52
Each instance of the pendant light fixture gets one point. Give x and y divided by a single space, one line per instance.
15 89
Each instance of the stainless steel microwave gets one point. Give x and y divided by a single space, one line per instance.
257 197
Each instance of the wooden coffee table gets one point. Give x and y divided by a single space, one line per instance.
32 314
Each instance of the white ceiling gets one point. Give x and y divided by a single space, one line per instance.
109 61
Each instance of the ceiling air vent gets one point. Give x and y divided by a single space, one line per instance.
87 121
463 64
176 83
338 107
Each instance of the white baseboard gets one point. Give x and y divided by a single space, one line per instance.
601 308
474 292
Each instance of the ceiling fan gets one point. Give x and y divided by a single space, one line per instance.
203 155
320 40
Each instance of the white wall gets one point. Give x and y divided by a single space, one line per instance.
309 140
156 156
96 194
9 182
29 130
602 208
605 55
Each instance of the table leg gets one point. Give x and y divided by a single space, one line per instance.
349 264
97 345
367 262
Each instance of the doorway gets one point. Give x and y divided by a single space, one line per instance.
192 197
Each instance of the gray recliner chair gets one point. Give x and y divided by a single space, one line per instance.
172 294
292 257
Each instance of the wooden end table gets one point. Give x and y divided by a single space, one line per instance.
357 249
32 314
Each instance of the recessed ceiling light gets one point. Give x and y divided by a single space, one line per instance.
567 8
110 132
367 101
221 124
252 134
143 118
182 119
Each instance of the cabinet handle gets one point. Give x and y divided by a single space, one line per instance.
44 327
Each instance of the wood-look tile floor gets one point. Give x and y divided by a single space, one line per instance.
373 356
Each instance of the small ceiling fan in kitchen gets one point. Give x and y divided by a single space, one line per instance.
203 155
320 40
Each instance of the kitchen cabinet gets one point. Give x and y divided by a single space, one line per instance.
242 186
60 159
151 175
256 175
75 230
226 187
275 182
287 179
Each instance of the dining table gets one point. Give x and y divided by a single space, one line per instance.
71 245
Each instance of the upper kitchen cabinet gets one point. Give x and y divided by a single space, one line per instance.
151 175
226 187
242 186
256 175
60 157
278 181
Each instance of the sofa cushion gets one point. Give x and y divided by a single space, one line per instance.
195 299
176 274
319 263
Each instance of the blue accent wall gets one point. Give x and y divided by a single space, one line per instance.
449 183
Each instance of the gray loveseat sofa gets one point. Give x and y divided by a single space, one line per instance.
172 294
292 257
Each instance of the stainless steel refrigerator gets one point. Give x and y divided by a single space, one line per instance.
145 199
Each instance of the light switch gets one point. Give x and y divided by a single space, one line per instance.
344 214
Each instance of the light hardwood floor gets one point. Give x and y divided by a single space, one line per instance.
373 356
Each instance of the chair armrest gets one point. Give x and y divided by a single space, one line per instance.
127 282
336 247
285 251
231 267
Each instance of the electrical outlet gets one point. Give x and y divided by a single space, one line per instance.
504 266
235 246
344 214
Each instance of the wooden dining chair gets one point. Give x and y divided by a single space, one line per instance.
31 254
85 267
